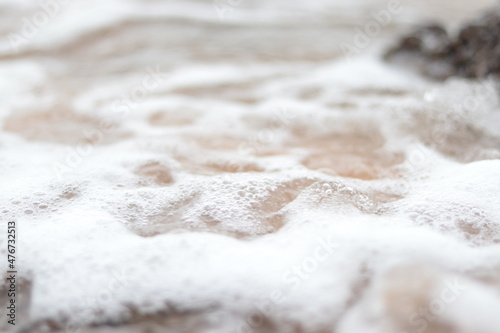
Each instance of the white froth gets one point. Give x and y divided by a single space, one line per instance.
355 190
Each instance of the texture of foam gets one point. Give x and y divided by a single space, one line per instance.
257 180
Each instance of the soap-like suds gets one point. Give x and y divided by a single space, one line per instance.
258 180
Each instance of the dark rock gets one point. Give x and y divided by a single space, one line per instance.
473 52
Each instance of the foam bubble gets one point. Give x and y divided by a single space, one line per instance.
265 183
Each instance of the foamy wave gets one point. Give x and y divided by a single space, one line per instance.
173 171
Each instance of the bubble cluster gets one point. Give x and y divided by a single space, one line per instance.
169 171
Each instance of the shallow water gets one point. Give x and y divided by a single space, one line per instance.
198 166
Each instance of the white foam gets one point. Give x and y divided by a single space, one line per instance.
331 182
